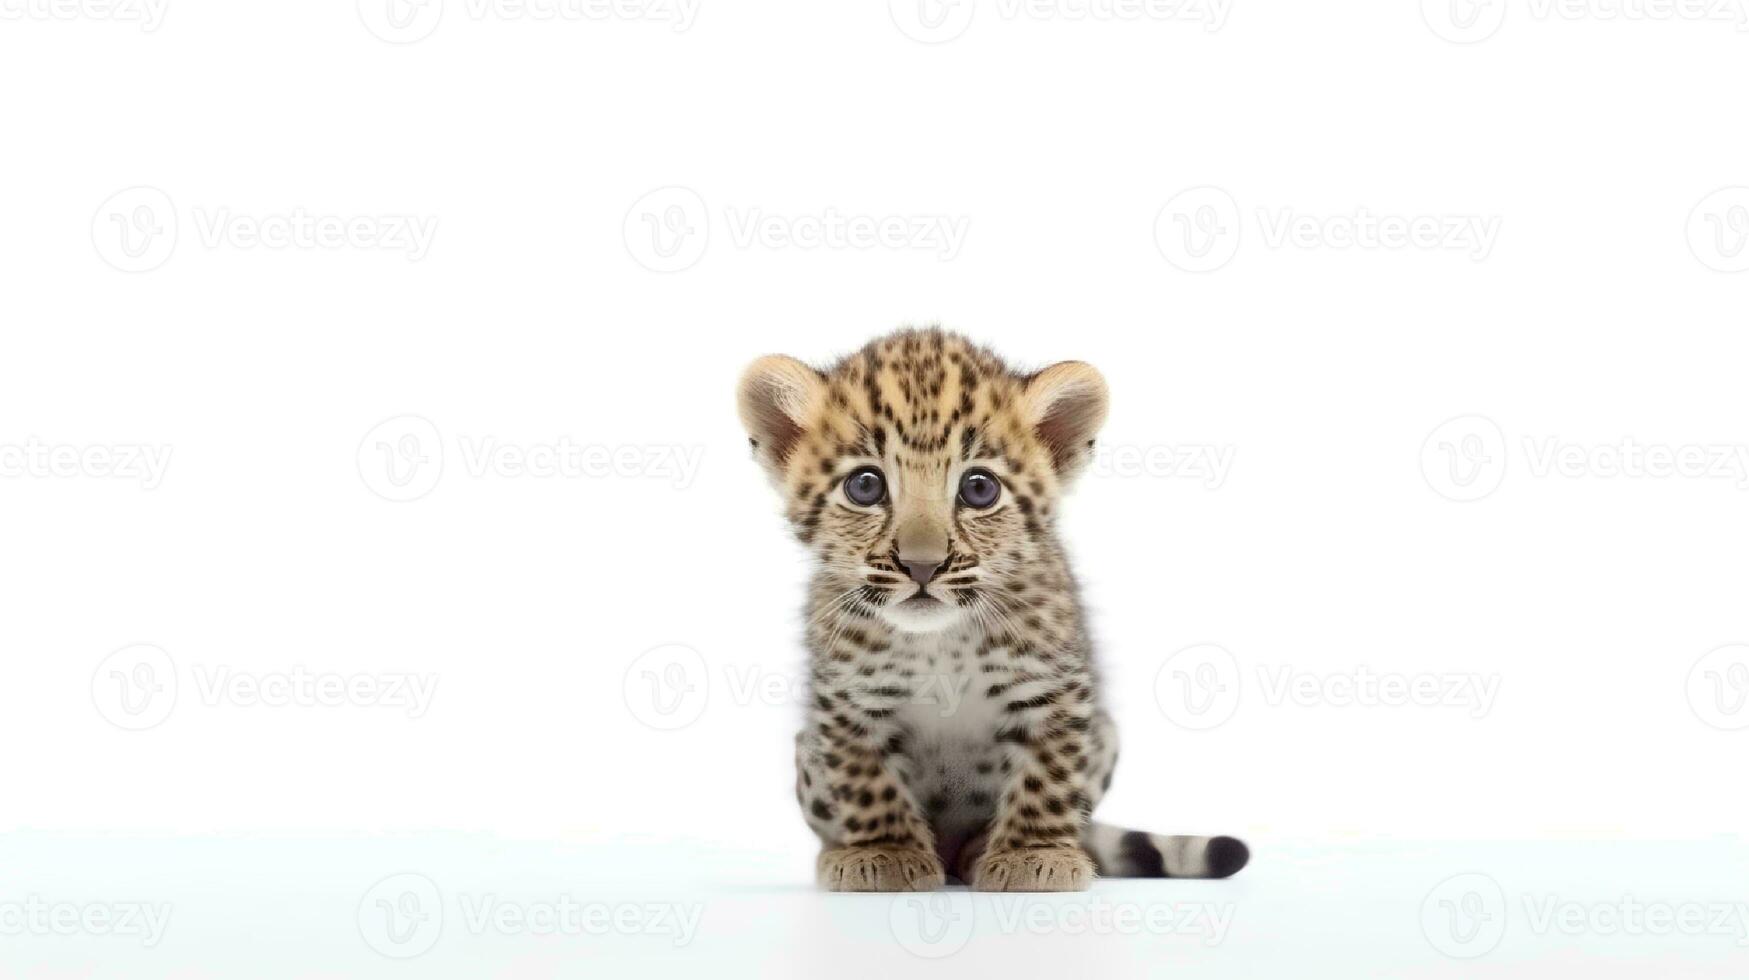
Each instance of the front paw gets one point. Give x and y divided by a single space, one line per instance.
1045 869
879 869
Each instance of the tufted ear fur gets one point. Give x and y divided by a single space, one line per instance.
780 397
1066 404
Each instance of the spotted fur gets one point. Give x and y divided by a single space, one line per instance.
954 721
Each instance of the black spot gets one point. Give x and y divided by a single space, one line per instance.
1226 855
821 810
1142 858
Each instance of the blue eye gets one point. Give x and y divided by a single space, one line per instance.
865 486
979 488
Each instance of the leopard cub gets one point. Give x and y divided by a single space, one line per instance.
954 720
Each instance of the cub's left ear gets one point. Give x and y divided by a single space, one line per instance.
1066 404
779 399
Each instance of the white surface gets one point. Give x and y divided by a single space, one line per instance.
1334 458
309 907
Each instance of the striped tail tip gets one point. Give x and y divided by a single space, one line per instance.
1121 853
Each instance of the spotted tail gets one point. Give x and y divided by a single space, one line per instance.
1121 853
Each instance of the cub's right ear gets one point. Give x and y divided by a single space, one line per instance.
780 398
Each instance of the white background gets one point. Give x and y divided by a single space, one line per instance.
589 279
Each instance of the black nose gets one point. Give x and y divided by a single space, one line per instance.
922 571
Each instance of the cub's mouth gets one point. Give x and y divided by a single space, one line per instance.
920 612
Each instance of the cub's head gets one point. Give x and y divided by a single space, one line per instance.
923 472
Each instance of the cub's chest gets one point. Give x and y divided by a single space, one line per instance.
949 698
